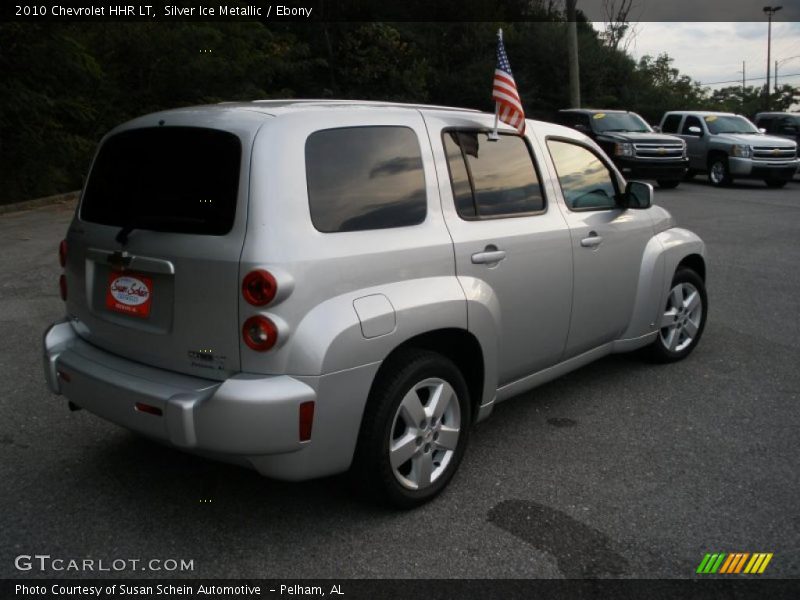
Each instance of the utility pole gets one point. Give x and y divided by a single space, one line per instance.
572 52
770 10
744 79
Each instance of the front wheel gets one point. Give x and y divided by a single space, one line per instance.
668 184
718 172
683 318
415 429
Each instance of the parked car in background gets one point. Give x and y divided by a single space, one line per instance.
782 124
307 287
728 146
635 148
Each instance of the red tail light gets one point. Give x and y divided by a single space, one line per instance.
259 333
62 253
62 287
259 287
306 420
149 409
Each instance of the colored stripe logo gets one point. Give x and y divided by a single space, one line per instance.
734 563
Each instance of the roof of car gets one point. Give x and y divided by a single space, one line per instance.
292 104
777 114
594 110
702 113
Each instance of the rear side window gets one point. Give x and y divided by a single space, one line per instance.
176 179
365 178
492 179
691 121
671 124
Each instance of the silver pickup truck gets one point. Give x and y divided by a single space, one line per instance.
728 146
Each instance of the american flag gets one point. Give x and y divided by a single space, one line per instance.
504 91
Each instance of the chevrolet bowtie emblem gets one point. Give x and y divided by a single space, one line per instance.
662 150
776 151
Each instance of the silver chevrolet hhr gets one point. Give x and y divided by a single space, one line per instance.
311 287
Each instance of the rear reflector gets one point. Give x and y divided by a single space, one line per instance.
306 420
259 287
62 287
62 253
63 376
259 333
147 408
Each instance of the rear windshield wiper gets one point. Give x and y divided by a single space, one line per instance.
145 222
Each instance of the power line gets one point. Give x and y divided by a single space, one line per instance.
748 79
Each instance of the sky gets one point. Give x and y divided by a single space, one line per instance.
712 52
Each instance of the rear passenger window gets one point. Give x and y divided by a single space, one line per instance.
365 178
492 179
691 122
586 182
671 124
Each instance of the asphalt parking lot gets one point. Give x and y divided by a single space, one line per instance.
621 469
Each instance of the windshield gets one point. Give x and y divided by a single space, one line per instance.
619 122
176 179
729 124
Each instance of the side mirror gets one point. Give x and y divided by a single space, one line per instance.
762 130
657 128
695 130
582 128
638 195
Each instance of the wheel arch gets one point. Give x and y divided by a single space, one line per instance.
696 263
459 345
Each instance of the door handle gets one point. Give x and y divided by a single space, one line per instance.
488 257
593 241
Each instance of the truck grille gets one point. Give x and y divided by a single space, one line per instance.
657 151
774 153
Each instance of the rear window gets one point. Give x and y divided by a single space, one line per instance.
175 179
363 178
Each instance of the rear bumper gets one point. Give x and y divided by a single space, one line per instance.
247 418
745 167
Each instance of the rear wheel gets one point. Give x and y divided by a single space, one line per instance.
718 172
775 183
683 318
415 429
668 184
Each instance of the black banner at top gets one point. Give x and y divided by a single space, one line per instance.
384 10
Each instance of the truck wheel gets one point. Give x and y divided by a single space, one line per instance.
668 184
775 183
718 172
415 429
683 318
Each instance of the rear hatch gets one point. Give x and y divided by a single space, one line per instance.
153 255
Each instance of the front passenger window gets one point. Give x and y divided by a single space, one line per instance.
586 182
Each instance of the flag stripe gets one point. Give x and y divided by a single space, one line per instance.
765 563
701 567
739 566
727 564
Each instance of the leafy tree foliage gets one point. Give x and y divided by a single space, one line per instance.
65 86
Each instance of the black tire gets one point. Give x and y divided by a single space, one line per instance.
668 184
372 472
719 173
775 183
660 350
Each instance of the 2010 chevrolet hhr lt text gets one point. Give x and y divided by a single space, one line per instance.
312 287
